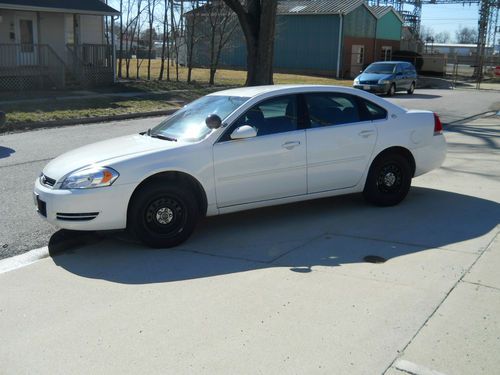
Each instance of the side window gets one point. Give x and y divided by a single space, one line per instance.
373 111
276 115
409 69
399 68
326 109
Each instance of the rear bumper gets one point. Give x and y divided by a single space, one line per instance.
430 157
84 209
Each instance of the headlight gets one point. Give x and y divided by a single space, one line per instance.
92 177
384 82
356 81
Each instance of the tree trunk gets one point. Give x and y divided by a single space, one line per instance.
165 18
258 24
120 58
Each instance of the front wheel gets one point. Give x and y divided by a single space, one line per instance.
162 216
392 90
388 180
411 90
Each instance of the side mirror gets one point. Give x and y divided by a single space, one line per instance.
213 121
243 132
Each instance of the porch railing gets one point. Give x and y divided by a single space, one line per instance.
29 66
91 64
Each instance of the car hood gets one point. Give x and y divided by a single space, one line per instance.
374 76
104 152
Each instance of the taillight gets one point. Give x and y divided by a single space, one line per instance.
438 127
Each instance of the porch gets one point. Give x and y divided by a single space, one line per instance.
55 44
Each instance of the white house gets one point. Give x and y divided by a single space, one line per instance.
49 43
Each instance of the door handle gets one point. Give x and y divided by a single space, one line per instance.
290 145
366 133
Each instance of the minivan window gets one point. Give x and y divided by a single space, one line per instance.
379 68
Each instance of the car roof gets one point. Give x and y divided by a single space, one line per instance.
253 91
391 62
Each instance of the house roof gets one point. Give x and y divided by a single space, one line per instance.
379 11
317 6
60 6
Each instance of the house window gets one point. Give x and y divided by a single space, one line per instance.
386 53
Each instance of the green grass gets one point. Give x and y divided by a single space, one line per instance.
154 95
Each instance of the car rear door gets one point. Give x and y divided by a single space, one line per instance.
269 166
340 140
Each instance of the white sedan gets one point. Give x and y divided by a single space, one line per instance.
241 149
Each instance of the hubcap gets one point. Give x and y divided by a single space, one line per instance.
164 215
389 179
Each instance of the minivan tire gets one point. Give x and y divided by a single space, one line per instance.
411 90
392 90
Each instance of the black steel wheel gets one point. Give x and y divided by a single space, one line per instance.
161 216
388 180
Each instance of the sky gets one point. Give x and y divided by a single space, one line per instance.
449 17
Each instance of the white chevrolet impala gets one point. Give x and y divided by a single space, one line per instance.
241 149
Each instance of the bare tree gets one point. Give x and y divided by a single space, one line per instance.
121 41
466 35
165 48
192 20
223 23
151 4
176 35
442 37
258 22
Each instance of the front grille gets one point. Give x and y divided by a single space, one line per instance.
47 181
82 216
368 82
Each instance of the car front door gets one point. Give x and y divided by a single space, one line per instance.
269 165
340 140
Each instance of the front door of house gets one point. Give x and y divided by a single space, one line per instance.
26 38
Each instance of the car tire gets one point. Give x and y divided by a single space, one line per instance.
411 90
162 216
388 181
392 90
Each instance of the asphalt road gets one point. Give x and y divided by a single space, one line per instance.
23 155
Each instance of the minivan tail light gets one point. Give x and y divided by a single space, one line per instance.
438 126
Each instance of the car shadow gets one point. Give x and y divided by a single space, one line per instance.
401 95
326 232
5 152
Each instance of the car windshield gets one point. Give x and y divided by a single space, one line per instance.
381 68
188 123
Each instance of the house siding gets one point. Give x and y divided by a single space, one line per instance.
360 23
306 43
52 32
389 27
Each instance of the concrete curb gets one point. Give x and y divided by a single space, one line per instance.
22 260
27 126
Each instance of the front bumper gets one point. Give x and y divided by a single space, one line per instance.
84 209
378 88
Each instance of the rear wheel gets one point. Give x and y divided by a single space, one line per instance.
162 216
392 90
411 90
388 180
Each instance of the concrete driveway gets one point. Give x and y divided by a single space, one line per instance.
283 289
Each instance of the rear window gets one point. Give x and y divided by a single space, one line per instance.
373 111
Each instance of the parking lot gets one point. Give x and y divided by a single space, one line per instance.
286 289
